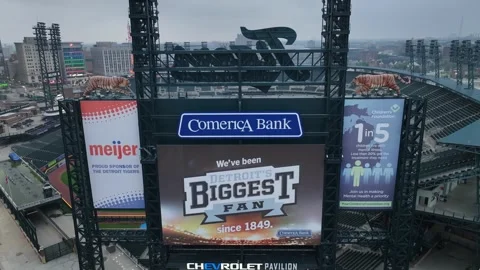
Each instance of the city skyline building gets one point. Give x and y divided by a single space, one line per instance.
3 68
111 59
28 70
73 58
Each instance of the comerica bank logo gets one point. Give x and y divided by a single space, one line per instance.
116 149
261 189
240 125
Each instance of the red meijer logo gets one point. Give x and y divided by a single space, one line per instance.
115 149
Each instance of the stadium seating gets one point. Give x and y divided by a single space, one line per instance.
351 219
447 113
41 151
358 260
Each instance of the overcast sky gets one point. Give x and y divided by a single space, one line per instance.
197 20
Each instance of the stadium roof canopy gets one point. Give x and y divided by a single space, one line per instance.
472 94
467 136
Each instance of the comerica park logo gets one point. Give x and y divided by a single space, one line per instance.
261 189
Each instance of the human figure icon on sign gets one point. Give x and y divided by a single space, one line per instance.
357 172
377 173
388 173
347 173
367 172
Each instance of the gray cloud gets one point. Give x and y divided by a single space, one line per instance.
196 20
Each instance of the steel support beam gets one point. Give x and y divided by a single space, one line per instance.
123 236
402 231
432 182
335 32
87 240
145 45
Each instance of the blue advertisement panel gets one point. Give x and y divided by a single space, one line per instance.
240 125
371 142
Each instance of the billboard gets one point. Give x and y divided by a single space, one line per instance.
240 125
371 143
241 194
112 143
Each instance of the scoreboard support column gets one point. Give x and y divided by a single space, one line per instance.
402 231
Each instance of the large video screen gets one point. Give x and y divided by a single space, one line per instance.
241 194
371 144
112 142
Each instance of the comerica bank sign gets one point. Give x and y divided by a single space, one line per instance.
240 125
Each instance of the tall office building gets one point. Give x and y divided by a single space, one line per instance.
73 59
111 59
29 62
3 65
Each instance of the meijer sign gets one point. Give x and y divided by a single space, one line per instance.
240 125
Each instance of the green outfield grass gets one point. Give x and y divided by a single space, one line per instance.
64 178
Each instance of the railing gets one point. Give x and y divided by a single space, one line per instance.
27 227
131 257
447 213
58 250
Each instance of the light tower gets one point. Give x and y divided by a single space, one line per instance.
421 53
434 53
410 53
455 57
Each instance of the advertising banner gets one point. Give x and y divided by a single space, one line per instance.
371 142
241 194
240 125
112 142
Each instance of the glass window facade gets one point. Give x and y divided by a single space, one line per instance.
74 60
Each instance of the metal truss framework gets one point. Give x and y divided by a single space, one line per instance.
335 32
150 67
42 47
402 230
56 49
87 240
145 45
123 236
433 182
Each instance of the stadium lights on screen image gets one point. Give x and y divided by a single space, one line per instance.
241 194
